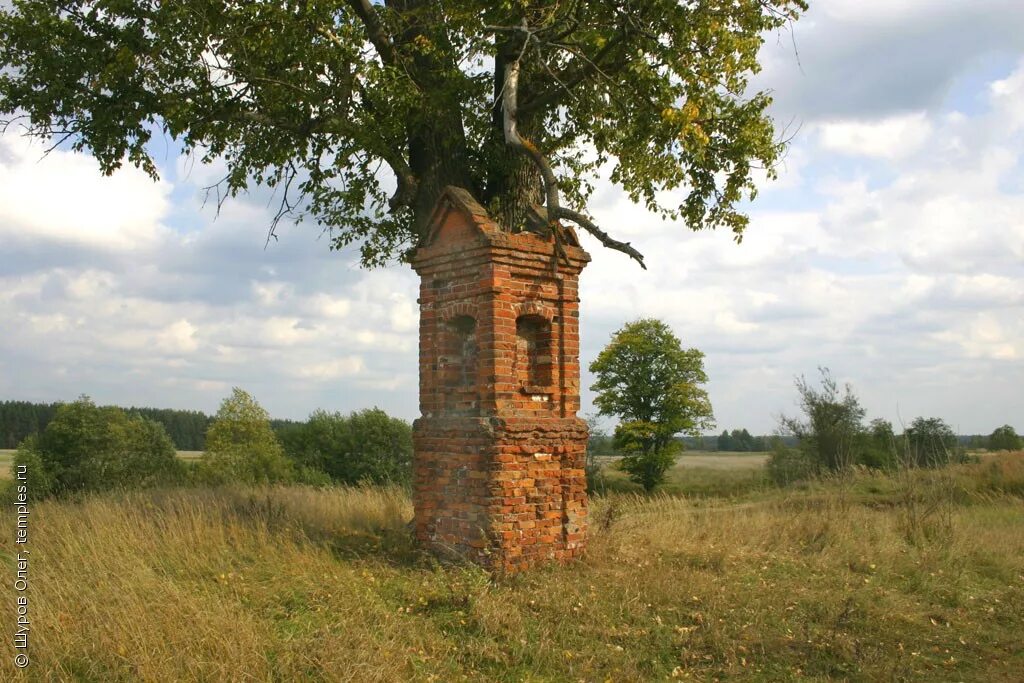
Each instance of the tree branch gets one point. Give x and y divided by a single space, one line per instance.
375 29
572 77
603 237
555 210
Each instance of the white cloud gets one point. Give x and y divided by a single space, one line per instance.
984 335
1008 97
891 138
178 337
332 369
64 197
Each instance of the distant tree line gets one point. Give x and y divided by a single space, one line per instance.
19 419
740 440
186 428
86 448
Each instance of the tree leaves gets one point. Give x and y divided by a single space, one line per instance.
359 114
647 379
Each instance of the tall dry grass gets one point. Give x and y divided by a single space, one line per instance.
305 584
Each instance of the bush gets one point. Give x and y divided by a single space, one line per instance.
930 442
1004 439
598 442
831 433
37 479
241 447
787 465
367 446
880 448
87 448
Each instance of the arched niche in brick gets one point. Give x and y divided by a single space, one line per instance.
458 360
533 359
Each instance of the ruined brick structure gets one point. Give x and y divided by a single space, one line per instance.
499 452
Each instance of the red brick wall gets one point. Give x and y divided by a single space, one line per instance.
499 452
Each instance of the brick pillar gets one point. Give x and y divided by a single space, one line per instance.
499 452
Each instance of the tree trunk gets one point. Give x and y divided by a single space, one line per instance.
438 158
438 149
513 181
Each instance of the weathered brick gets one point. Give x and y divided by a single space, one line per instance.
498 450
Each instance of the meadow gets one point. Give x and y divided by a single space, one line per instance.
917 575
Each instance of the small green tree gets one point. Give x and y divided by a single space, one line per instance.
1004 439
831 433
241 446
881 448
652 384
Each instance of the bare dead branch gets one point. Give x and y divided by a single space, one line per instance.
603 237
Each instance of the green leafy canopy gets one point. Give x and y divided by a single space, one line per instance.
360 113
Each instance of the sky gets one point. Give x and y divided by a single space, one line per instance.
889 250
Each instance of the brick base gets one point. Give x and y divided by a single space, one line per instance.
505 493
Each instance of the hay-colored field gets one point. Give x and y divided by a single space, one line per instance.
697 473
876 578
715 460
722 460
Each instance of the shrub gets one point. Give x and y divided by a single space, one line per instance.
595 443
787 464
38 480
88 448
880 448
367 446
1004 439
830 435
241 447
931 442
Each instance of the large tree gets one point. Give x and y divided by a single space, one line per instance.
652 384
361 112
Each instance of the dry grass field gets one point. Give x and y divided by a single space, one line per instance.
6 456
875 578
697 473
